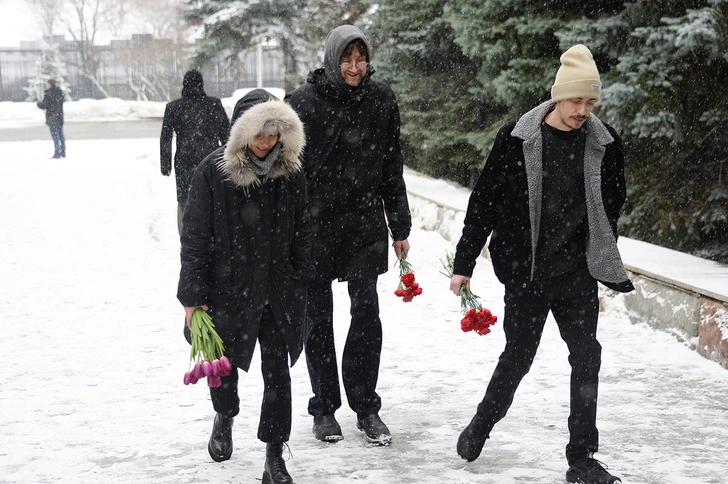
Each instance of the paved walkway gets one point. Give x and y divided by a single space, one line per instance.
93 359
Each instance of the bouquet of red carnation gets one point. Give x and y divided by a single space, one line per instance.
207 352
477 318
408 287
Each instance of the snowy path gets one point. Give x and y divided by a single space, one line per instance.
94 358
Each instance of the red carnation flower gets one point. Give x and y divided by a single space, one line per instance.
408 288
476 318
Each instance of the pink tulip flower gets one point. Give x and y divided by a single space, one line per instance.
213 381
225 365
206 368
197 371
216 368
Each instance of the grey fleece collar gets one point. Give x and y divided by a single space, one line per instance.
602 254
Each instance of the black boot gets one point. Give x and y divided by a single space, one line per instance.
275 467
326 428
375 430
220 445
472 439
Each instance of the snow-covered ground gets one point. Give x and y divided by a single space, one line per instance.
94 357
13 115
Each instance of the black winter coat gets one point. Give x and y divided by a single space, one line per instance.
201 125
353 165
53 104
245 240
506 203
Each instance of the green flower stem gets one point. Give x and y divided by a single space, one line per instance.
206 343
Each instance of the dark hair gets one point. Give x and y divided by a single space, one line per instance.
360 45
51 82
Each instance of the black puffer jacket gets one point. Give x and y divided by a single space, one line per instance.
201 125
245 239
353 165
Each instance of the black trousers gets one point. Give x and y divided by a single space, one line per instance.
275 412
360 360
573 300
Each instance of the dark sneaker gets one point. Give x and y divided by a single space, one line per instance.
590 471
471 440
375 430
327 429
220 445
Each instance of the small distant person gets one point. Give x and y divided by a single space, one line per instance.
549 198
52 103
201 125
245 258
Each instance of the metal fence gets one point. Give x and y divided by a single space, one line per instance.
135 69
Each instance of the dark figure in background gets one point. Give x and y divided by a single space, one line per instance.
549 197
52 103
353 165
245 259
201 125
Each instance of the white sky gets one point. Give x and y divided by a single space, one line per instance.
94 355
17 23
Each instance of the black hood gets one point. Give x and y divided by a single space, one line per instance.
192 84
256 96
336 43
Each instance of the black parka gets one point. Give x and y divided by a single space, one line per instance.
353 165
201 124
245 239
53 104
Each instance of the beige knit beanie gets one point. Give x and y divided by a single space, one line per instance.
577 77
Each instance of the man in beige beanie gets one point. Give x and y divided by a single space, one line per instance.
549 197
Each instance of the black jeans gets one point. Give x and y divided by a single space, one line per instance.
360 360
573 300
275 412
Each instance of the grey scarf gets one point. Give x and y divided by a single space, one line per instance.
262 167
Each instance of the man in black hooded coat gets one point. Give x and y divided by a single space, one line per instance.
353 164
201 125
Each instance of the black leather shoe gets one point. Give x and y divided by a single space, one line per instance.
375 430
471 440
326 428
275 467
220 445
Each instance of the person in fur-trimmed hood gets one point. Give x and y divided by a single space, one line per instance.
549 198
245 259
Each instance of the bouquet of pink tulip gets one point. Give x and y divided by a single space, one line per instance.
207 352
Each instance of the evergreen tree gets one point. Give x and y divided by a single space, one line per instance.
298 27
434 83
667 96
518 50
49 66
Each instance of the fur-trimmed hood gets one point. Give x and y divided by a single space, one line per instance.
234 162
